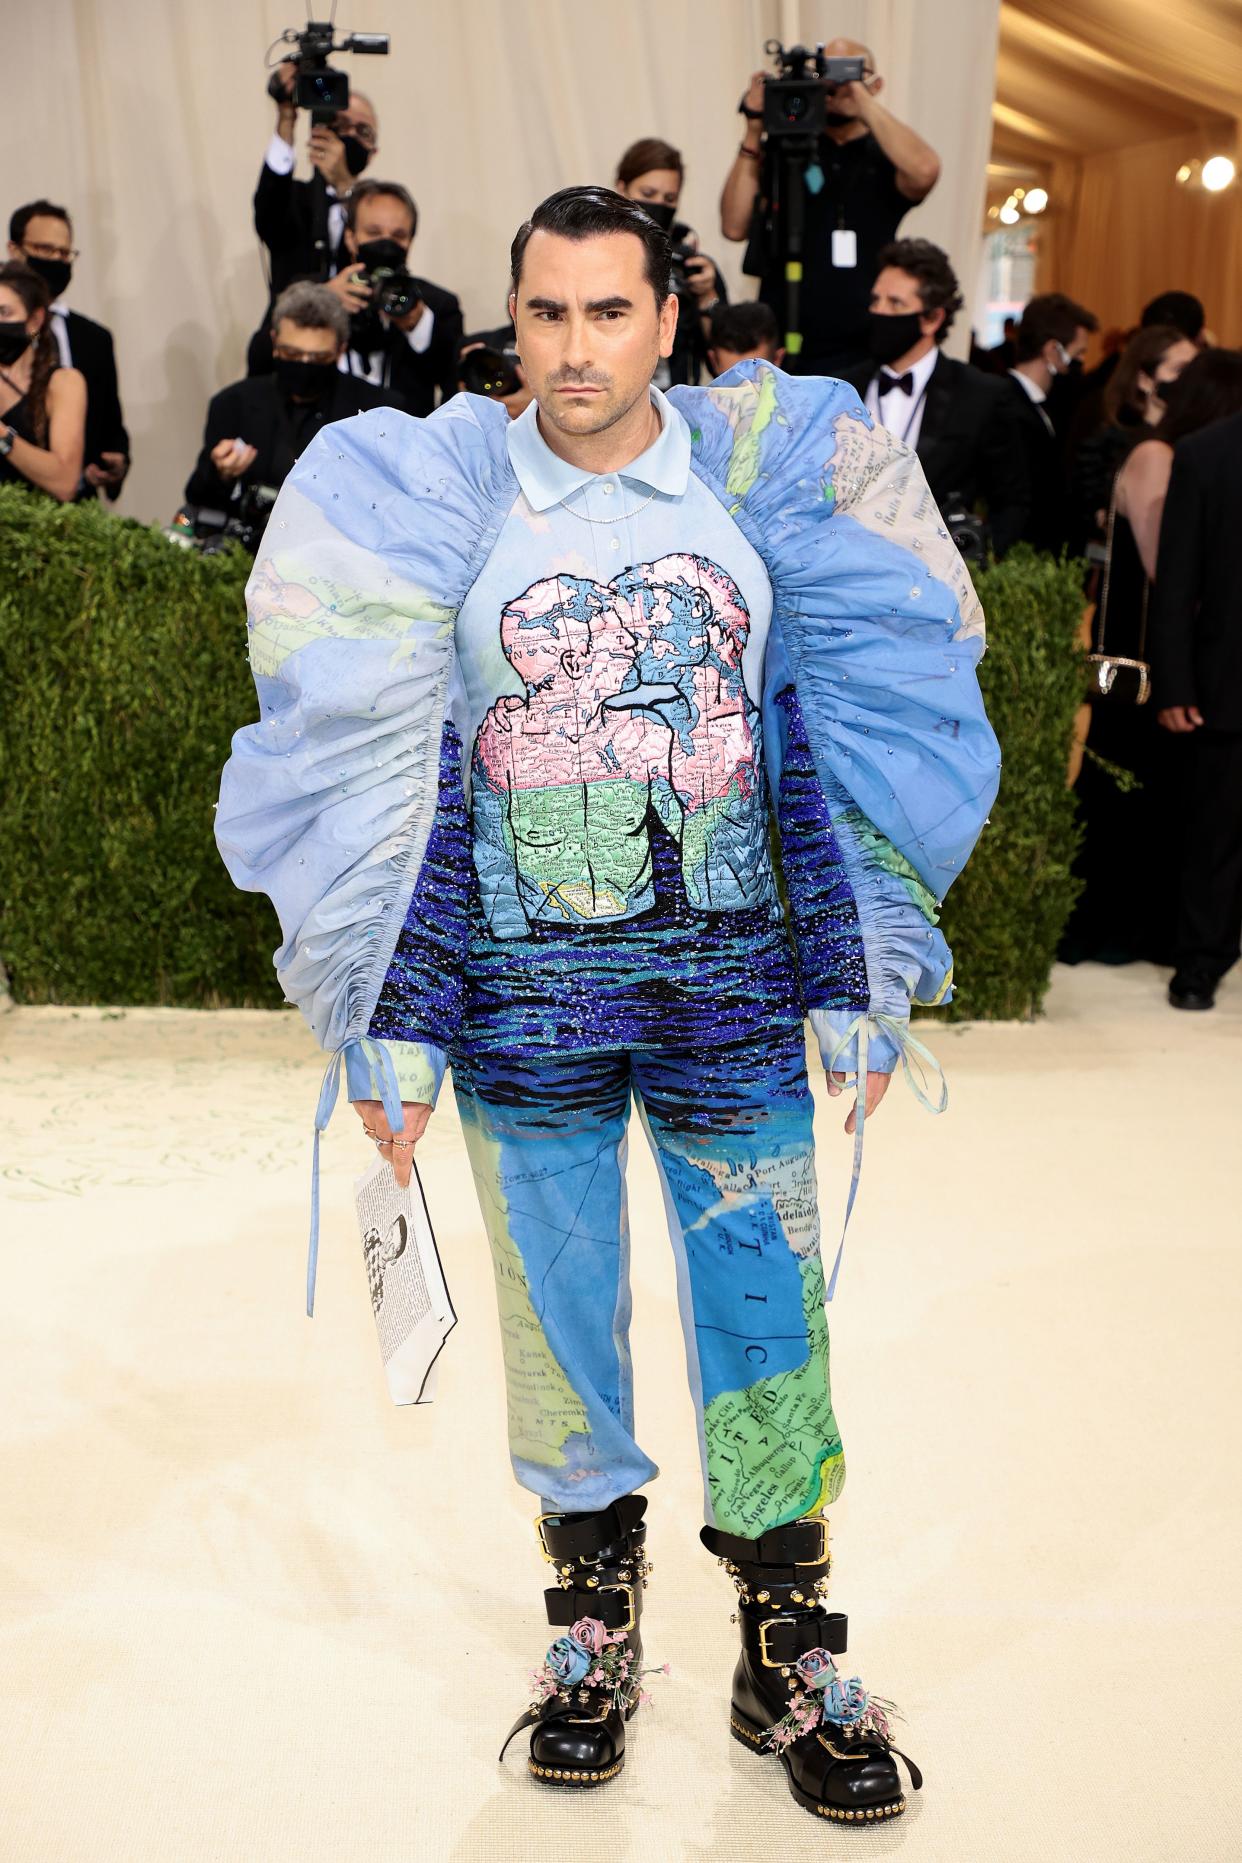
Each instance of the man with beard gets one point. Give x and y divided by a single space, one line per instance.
960 422
471 588
41 236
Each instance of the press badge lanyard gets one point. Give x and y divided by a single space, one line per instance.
914 411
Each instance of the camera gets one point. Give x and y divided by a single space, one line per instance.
393 290
486 371
971 536
320 89
794 101
244 523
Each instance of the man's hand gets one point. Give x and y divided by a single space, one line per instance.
877 1087
855 99
701 277
111 473
347 283
285 79
401 1154
232 457
1180 717
327 154
753 99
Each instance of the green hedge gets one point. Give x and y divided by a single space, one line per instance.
1004 917
123 673
124 676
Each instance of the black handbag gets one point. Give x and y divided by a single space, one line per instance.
1114 678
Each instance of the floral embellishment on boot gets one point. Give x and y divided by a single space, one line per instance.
594 1657
824 1697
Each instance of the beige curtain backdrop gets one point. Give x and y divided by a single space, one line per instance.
149 119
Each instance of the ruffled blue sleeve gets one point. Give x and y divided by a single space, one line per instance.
342 802
870 684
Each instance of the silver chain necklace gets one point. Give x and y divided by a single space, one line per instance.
622 517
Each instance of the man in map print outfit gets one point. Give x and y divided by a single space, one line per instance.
533 696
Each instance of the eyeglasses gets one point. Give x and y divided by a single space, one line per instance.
35 249
346 126
287 353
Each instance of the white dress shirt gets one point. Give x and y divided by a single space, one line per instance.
900 413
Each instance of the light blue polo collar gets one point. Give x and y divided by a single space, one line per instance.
546 479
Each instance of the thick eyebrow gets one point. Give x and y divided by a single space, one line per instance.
595 304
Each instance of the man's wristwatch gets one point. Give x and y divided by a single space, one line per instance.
755 116
6 442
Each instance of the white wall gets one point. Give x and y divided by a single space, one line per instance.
149 119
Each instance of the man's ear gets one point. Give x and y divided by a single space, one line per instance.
512 301
713 362
669 311
779 357
874 85
934 319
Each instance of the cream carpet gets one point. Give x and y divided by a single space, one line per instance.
251 1611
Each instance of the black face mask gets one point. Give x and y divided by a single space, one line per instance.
55 273
304 381
660 212
891 337
15 340
357 155
383 255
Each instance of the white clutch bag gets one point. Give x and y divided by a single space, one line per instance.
409 1295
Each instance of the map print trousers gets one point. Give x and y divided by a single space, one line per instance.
730 1128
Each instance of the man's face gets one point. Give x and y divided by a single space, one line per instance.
589 330
47 236
293 342
359 120
896 293
1078 348
382 216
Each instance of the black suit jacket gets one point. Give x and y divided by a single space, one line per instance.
255 411
968 447
91 350
283 221
1048 518
1195 616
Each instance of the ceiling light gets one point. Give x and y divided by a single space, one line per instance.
1218 173
1009 215
1184 173
1036 200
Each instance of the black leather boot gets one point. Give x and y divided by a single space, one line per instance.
832 1738
579 1722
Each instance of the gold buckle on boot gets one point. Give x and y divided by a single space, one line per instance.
629 1592
764 1627
821 1556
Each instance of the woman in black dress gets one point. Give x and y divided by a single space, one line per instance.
1127 859
42 406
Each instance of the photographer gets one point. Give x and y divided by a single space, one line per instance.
959 421
488 364
258 427
742 332
41 237
652 173
283 215
866 173
404 332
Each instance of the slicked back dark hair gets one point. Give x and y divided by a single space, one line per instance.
1051 318
930 269
745 325
21 217
589 213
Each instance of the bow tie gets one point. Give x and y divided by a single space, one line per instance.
889 382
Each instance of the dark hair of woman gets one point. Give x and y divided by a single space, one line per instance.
34 294
642 157
1142 355
1208 389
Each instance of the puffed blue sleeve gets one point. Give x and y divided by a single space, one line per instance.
870 690
343 801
